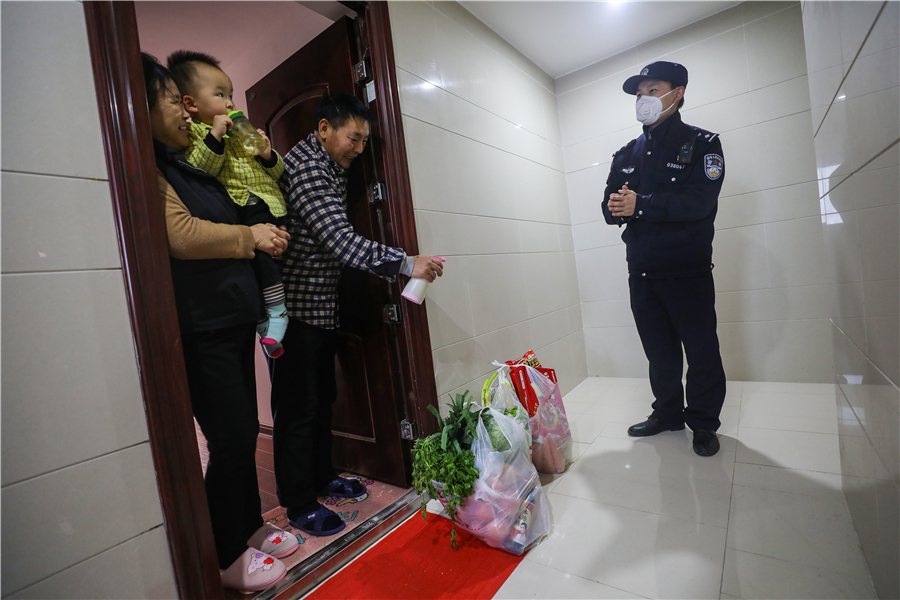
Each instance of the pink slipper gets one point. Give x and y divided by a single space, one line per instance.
253 571
273 541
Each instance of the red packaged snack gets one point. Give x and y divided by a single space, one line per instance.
530 359
526 392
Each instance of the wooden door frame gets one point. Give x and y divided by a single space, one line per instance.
143 248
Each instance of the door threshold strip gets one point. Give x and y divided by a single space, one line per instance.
325 563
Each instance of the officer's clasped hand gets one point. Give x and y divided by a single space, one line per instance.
622 204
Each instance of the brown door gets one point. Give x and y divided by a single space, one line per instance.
370 405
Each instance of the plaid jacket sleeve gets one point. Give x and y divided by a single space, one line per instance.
200 155
312 199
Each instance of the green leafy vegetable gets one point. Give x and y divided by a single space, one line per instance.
446 457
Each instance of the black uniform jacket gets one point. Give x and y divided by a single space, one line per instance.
215 293
671 231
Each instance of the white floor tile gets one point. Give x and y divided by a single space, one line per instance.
642 553
801 388
789 449
592 408
681 502
586 428
801 424
727 597
753 576
532 580
793 481
814 531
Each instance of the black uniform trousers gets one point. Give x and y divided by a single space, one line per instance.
670 313
304 388
222 380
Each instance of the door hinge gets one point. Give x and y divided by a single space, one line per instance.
408 430
361 71
379 193
392 314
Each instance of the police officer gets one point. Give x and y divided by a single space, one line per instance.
664 187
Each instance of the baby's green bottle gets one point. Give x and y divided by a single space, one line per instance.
246 133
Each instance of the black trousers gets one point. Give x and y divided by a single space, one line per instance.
669 314
256 211
304 388
222 380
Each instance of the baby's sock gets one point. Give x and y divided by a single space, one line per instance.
276 325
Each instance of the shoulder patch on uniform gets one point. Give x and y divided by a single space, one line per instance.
713 165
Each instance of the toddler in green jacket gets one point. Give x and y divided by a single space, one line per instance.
252 181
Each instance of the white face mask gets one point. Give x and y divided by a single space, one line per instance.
649 108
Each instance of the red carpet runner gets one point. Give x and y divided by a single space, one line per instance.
415 561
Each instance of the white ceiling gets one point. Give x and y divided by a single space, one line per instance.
561 36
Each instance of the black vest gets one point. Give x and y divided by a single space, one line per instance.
213 293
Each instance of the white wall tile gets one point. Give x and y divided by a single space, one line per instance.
489 188
842 248
599 150
455 365
879 242
745 349
585 190
769 163
769 206
866 189
602 274
615 352
874 120
88 383
796 253
581 116
740 258
549 327
780 99
775 52
705 80
545 282
143 570
551 117
31 139
821 29
855 23
721 116
449 307
566 243
804 351
84 509
537 237
414 33
610 313
80 235
496 289
596 234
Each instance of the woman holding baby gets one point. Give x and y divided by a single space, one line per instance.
219 306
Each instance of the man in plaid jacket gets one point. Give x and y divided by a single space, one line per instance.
322 241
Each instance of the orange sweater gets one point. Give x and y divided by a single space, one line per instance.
191 238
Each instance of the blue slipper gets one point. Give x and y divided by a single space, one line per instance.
312 522
344 488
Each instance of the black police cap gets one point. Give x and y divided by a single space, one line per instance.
664 71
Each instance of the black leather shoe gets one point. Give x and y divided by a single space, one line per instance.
652 426
706 442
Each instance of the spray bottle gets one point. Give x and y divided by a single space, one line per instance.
417 287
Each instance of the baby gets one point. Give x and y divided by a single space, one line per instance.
252 181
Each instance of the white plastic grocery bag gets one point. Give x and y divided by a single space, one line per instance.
551 437
507 510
